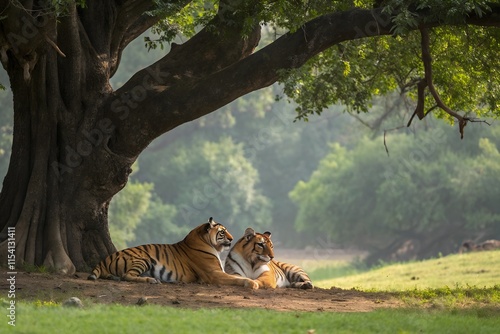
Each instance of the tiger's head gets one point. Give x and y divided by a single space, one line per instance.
218 236
257 248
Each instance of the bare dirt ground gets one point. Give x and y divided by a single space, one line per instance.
51 287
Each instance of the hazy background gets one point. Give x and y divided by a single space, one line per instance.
324 184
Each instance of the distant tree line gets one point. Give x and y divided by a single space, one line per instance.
433 192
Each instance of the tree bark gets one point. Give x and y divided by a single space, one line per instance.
75 139
61 175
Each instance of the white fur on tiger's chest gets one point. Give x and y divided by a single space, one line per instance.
244 268
220 261
260 271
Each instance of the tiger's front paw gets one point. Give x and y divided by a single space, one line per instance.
250 283
152 280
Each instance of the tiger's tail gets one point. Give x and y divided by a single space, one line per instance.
96 272
297 277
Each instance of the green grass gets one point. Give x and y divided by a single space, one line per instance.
458 296
480 269
156 319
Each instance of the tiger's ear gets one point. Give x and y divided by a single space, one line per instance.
212 222
267 234
249 233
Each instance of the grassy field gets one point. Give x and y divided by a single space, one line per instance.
453 294
481 269
155 319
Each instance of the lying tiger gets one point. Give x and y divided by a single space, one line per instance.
194 259
252 257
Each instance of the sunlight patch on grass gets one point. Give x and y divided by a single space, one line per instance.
479 269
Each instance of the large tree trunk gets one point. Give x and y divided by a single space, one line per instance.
61 175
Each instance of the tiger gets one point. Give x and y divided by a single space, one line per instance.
196 258
253 256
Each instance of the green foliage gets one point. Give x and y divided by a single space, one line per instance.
354 72
158 225
282 152
291 15
464 69
208 179
126 211
183 21
408 13
364 198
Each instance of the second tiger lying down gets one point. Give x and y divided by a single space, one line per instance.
252 257
194 259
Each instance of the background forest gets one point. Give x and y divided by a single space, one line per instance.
340 180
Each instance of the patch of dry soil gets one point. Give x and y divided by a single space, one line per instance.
46 287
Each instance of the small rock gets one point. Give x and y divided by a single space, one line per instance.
73 302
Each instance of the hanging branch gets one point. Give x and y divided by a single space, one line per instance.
428 83
385 132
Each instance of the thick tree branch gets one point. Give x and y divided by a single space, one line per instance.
174 97
177 94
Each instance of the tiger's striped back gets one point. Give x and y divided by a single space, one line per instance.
152 263
253 256
194 259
